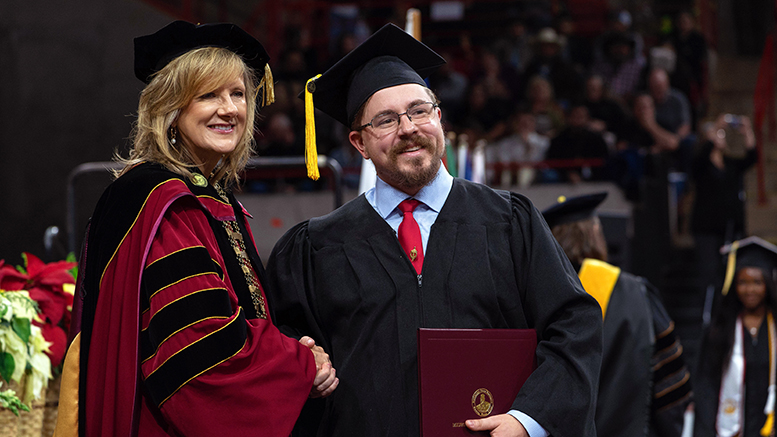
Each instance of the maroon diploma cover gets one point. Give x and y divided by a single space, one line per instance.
470 374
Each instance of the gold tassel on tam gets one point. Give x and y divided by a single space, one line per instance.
311 156
732 261
267 84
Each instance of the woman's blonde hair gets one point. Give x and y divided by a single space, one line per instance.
171 90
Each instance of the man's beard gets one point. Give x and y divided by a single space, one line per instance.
419 175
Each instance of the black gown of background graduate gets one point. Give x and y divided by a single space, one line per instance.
490 262
756 383
644 385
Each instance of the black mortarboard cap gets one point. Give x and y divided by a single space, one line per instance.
573 209
153 52
749 252
388 58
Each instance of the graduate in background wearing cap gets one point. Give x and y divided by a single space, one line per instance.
644 385
364 278
175 337
736 381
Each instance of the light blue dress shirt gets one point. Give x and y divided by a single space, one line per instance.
385 199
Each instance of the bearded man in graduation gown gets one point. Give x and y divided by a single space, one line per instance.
364 278
644 386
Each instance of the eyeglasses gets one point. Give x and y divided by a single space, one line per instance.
389 121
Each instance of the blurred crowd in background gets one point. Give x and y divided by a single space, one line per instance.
543 98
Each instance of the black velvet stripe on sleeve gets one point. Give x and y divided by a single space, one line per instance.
666 339
670 367
678 393
186 311
185 263
196 359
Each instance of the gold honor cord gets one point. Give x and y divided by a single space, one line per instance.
311 156
730 267
769 409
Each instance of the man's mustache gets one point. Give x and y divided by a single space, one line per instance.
414 141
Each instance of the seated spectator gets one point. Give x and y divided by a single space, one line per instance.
499 81
576 49
542 104
576 141
464 59
514 48
620 67
451 88
350 160
485 116
549 64
673 120
279 138
642 138
618 23
523 145
606 114
292 66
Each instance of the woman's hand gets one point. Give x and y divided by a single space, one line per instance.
326 380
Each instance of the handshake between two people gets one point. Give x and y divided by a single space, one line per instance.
326 380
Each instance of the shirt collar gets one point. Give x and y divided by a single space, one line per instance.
433 195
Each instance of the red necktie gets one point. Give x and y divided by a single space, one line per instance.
410 234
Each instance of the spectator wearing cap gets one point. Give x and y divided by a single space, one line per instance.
620 66
549 63
619 23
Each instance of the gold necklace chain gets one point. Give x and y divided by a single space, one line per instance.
239 246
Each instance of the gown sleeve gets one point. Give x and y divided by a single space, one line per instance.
290 273
205 367
561 392
671 378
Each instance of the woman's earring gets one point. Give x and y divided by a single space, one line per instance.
173 132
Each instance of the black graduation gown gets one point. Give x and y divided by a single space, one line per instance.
625 382
756 388
643 387
491 262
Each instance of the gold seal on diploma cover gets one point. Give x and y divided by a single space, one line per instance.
482 402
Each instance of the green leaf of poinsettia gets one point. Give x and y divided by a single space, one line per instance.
22 328
23 269
7 365
71 257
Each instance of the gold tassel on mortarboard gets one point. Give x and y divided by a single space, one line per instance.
732 264
311 156
267 84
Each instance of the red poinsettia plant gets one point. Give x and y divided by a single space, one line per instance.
50 285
